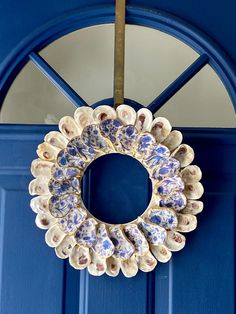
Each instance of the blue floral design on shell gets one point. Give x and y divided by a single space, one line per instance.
127 136
176 200
166 168
92 137
109 128
104 246
123 248
59 206
155 234
64 186
61 173
86 233
76 147
145 141
72 220
169 185
156 155
64 159
163 217
137 239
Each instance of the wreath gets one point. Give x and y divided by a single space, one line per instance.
74 232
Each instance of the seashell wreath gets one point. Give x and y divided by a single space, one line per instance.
88 242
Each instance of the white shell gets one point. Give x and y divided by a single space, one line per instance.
160 129
54 236
126 114
39 186
143 120
44 221
104 112
47 152
193 207
113 266
146 262
161 253
83 116
68 127
173 140
64 249
39 204
56 139
191 174
129 267
184 154
98 265
80 257
175 241
41 167
193 190
186 223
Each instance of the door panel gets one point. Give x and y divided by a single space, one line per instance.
198 280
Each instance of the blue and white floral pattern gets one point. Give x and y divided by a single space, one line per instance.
88 242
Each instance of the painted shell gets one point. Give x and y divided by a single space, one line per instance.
144 120
104 112
160 129
126 114
56 139
68 127
83 116
58 203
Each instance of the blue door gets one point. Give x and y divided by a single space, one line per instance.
198 280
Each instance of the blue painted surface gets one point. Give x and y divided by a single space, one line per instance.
199 279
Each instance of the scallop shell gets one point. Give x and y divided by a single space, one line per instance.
98 265
165 218
64 159
59 206
47 152
44 220
68 127
193 190
161 253
40 204
64 249
60 173
173 140
113 266
64 186
123 249
72 220
144 120
175 241
191 174
41 167
126 114
176 201
193 207
76 147
103 112
160 129
146 262
104 246
186 223
154 234
184 154
54 236
86 233
56 139
137 239
93 138
79 257
129 267
169 185
83 116
126 136
39 186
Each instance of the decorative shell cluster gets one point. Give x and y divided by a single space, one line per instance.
88 242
